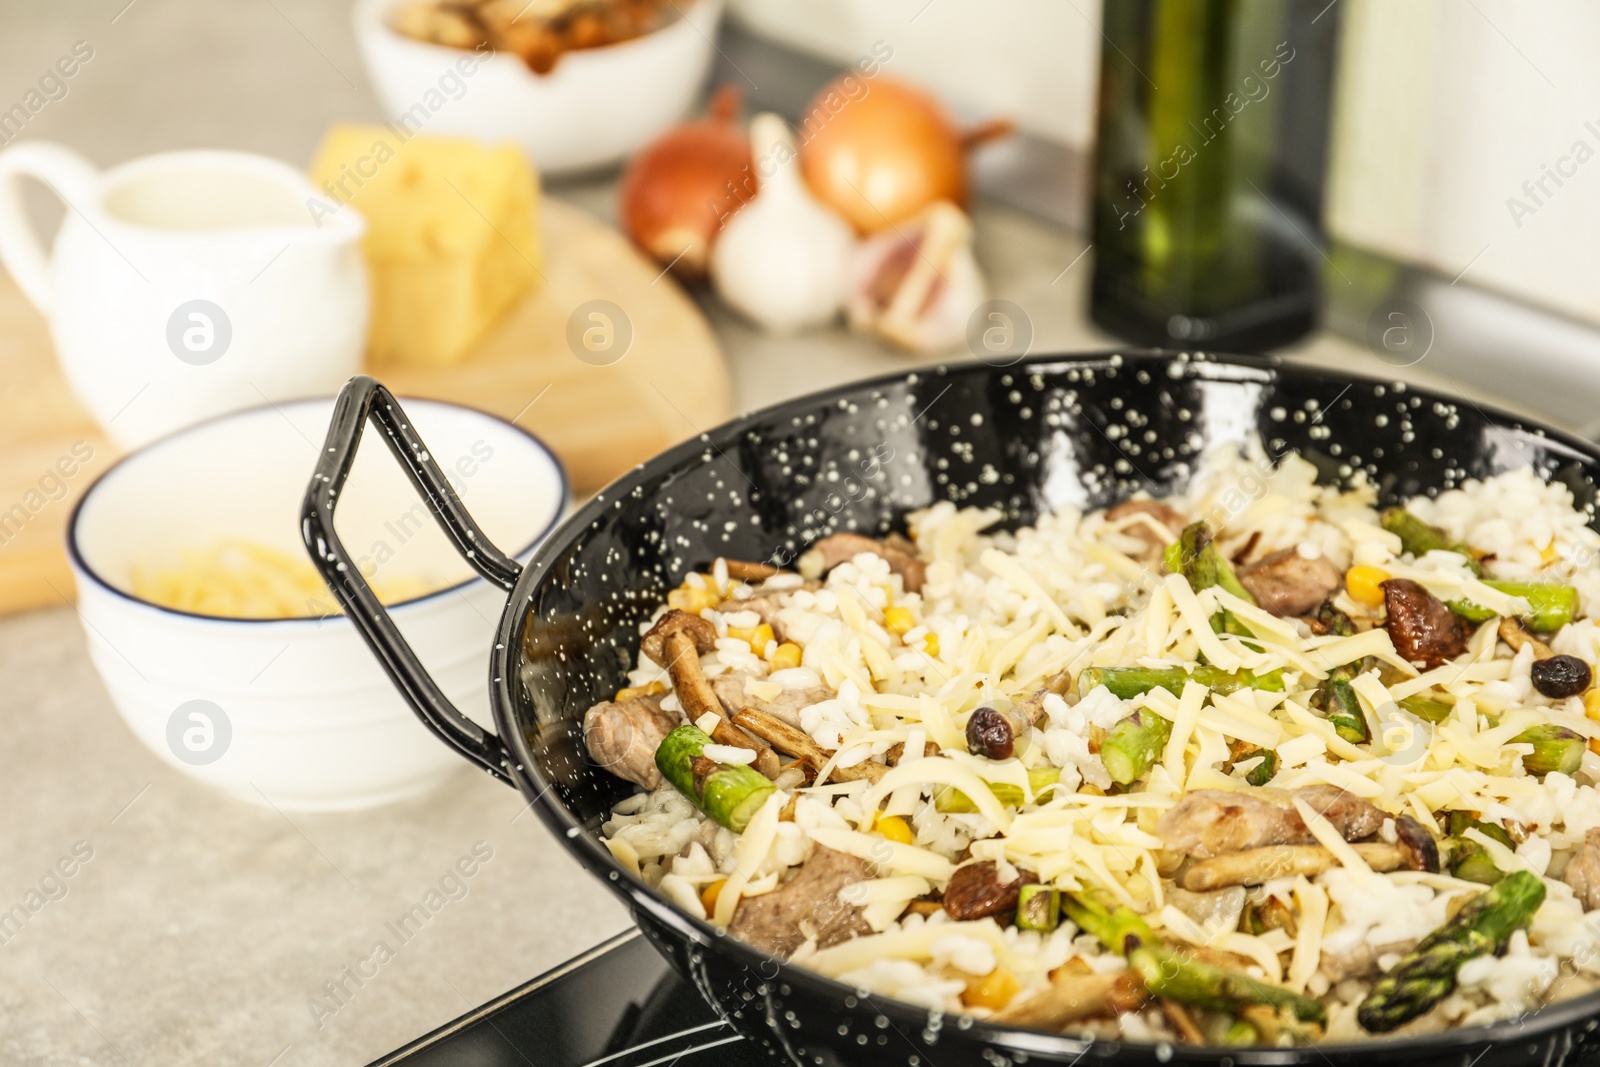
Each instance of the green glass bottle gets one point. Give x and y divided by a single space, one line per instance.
1205 221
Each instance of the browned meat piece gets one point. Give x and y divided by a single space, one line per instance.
1422 628
807 906
623 738
1210 822
1287 584
901 554
1155 509
765 607
976 891
786 706
1583 871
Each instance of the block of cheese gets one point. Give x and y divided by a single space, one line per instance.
452 238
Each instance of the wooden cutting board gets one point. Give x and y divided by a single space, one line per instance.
601 414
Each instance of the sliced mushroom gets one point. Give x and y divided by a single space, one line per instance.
622 737
1068 998
677 641
794 742
1420 846
1031 709
1181 1022
1257 865
1422 628
901 555
1288 584
745 571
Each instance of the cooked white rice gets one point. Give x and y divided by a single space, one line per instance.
1001 612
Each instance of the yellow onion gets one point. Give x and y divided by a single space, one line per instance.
883 156
681 188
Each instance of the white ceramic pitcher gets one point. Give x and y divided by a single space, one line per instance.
187 284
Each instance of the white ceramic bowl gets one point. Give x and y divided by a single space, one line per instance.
596 107
296 712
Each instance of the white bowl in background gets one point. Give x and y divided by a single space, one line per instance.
297 713
596 107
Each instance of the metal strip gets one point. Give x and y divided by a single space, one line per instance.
478 1014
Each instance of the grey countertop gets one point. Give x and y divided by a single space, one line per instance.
202 930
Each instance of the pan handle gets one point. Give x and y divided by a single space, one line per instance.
362 399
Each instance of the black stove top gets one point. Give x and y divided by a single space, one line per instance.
617 1005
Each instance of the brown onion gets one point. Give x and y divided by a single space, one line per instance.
882 157
680 189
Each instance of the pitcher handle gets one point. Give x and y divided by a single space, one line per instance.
71 177
363 399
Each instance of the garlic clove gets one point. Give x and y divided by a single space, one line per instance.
783 260
916 287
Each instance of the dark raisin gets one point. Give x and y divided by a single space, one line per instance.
1556 677
989 734
976 892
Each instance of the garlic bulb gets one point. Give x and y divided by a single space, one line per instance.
784 259
917 286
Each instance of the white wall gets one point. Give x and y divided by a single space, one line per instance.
1036 60
1445 108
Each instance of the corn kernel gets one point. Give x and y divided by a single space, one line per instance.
641 691
760 639
708 895
1549 553
895 828
993 991
930 644
1364 584
693 599
898 621
785 656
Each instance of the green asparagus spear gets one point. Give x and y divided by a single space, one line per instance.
1459 822
728 792
1040 779
1195 557
1555 748
1261 773
1427 973
1335 622
1551 606
1133 745
1129 682
1470 862
1419 538
1239 1034
1426 709
1038 908
1175 973
1338 700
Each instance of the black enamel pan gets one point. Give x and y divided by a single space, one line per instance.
1045 433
